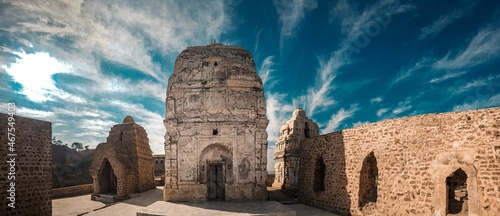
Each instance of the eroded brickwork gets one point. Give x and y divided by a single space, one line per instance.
216 139
415 160
33 172
287 154
124 164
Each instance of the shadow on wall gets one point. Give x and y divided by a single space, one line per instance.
323 174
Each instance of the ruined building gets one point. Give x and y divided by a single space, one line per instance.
25 185
216 139
286 159
433 164
123 165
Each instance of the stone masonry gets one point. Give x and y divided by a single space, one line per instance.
123 165
33 162
433 164
216 139
286 159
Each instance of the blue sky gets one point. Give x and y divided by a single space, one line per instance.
85 65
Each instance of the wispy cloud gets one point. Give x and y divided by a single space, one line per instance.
437 26
278 112
443 21
376 100
486 82
265 71
359 123
339 117
447 76
492 101
355 25
485 46
381 111
291 13
410 71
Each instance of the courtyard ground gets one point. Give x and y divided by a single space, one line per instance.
82 205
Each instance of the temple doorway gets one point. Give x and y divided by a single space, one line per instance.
108 182
216 190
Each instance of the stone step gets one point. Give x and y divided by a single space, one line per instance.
104 198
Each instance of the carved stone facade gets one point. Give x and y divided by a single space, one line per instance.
287 153
26 180
434 164
123 165
216 139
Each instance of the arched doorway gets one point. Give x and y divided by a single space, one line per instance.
456 193
319 175
107 179
368 181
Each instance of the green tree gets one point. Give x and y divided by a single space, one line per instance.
77 146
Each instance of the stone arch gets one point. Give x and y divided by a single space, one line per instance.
216 153
443 166
319 175
117 170
368 181
441 190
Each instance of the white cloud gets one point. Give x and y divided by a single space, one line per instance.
381 111
317 96
79 111
34 73
359 123
278 113
291 13
376 100
339 117
486 82
485 46
446 77
33 113
437 26
404 106
492 101
411 71
265 71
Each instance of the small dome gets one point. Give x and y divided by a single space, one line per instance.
128 119
299 112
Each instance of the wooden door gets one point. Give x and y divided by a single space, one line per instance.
216 182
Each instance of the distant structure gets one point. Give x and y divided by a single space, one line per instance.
123 165
26 181
216 139
159 165
433 164
287 152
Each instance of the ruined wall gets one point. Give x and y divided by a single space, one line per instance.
215 113
33 176
127 151
72 191
412 158
286 156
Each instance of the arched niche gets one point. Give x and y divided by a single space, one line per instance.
448 166
215 153
368 181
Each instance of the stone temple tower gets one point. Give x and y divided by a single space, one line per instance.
286 158
215 120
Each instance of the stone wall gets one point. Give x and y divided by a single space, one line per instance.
33 179
400 166
215 117
72 191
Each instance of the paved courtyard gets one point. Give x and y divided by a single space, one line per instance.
82 205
